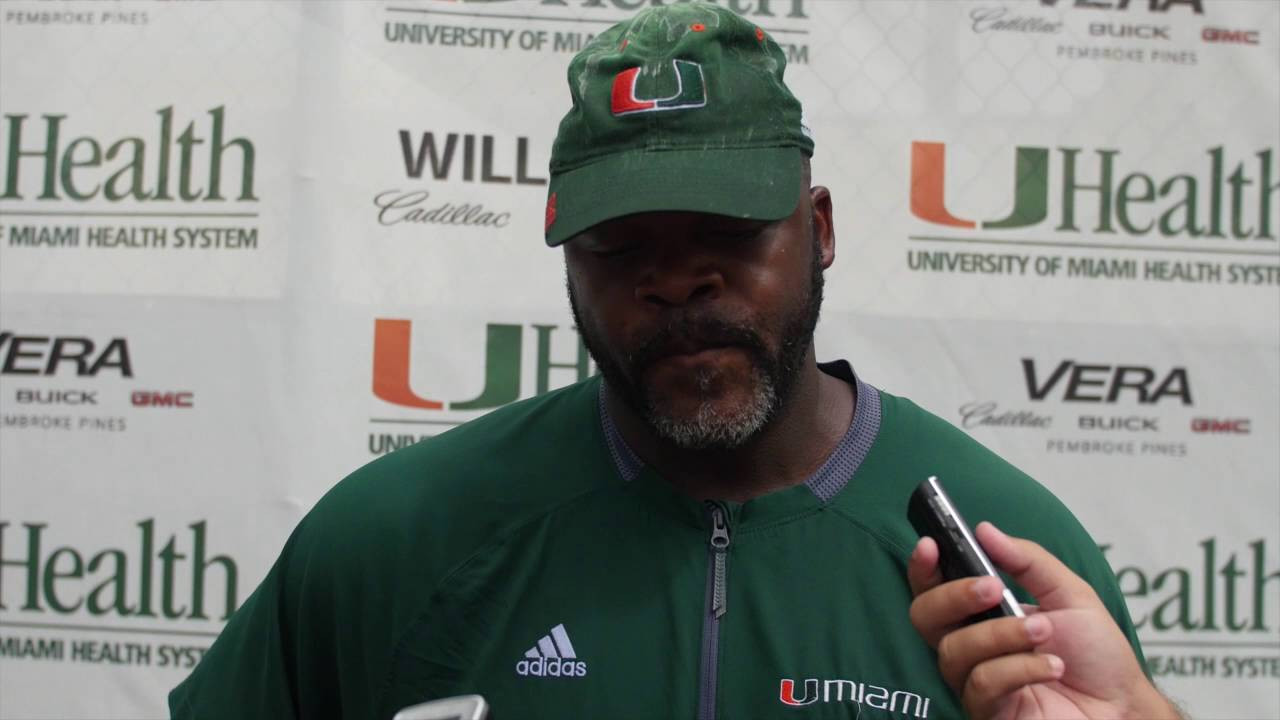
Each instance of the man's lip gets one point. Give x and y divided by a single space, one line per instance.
691 349
694 355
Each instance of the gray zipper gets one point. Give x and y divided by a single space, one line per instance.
716 605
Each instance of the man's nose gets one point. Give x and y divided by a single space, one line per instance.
680 275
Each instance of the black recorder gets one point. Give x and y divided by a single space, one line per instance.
933 514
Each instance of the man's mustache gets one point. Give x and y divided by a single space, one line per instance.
685 336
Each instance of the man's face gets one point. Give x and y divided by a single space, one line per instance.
700 323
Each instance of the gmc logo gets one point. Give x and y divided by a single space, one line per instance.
151 398
1223 35
1228 426
1107 383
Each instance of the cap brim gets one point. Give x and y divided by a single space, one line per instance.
754 183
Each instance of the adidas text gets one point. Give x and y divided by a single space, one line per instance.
551 667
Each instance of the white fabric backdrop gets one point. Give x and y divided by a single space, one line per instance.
187 361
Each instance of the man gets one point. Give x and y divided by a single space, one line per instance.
717 528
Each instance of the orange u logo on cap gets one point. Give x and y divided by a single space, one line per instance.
691 91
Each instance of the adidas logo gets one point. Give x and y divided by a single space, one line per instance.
553 656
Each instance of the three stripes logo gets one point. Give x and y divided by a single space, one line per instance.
553 656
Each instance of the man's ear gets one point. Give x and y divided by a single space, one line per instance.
820 200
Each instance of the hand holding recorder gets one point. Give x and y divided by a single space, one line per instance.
1065 659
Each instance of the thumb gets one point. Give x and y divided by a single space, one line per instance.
1052 583
923 570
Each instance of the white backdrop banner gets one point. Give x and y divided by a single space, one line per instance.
247 247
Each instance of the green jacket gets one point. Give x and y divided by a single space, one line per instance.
528 556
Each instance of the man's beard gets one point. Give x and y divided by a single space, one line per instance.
773 374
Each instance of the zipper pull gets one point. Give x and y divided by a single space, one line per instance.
719 550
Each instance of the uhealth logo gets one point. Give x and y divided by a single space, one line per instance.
1225 586
503 365
174 576
1217 201
87 168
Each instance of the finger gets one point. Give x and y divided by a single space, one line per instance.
960 651
1053 584
923 570
991 682
941 609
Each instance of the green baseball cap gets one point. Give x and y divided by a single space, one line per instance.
682 107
